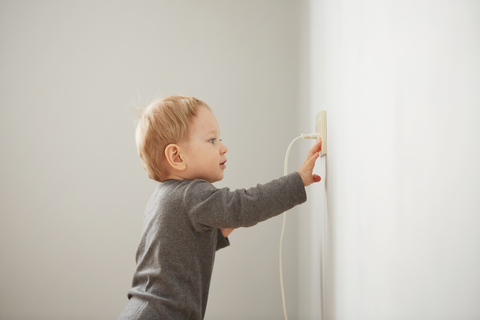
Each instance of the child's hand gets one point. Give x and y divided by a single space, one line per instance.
306 170
226 232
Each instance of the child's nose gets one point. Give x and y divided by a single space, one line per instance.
223 149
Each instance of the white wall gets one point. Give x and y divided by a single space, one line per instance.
401 83
72 188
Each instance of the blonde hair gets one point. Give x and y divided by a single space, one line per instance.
163 122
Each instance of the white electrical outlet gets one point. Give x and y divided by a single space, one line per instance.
321 128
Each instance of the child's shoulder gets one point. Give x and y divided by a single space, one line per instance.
174 193
184 186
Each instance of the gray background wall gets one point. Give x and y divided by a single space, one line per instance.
73 190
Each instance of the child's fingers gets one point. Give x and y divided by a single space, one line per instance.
311 161
313 149
307 168
317 146
226 232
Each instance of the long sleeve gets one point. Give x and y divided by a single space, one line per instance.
209 207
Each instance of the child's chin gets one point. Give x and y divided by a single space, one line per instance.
216 179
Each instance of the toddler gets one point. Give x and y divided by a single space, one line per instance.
187 219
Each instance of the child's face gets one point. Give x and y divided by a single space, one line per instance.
204 152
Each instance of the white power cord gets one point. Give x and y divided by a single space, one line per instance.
285 167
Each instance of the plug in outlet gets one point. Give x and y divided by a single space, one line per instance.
321 128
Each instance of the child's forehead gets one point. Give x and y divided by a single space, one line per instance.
213 131
206 130
206 122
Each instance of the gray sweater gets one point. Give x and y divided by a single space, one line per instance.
181 234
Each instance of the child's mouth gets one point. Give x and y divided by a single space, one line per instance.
222 165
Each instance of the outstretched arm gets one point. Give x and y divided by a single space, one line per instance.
209 207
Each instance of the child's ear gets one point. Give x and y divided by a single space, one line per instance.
174 156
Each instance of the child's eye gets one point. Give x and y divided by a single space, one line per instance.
212 140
